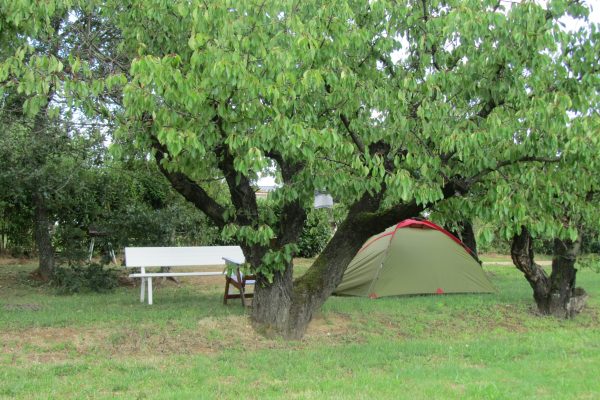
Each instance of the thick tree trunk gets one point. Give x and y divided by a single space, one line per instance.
565 300
555 294
522 255
312 289
42 138
285 309
467 235
271 302
43 238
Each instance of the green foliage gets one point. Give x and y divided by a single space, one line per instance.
315 233
589 261
71 243
132 206
77 278
479 88
590 242
15 229
178 224
473 93
541 246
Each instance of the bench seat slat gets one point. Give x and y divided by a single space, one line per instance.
180 256
155 274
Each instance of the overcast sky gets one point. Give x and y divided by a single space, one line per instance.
594 15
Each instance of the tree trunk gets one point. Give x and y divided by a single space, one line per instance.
271 302
312 289
565 300
555 294
285 308
43 239
41 140
467 235
522 255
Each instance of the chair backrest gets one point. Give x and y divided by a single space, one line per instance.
180 256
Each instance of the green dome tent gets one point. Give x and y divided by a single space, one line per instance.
413 257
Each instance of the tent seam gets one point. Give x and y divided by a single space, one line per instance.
387 251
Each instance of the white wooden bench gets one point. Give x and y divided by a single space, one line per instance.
175 257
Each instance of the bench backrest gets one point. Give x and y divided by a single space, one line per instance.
181 256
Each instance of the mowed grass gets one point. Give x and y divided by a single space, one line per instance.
188 345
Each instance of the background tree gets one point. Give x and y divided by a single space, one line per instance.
574 211
558 205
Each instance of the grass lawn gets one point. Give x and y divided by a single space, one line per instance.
502 258
188 345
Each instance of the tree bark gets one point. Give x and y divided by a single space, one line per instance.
285 307
272 302
42 222
43 239
319 282
464 232
565 300
522 255
467 235
555 294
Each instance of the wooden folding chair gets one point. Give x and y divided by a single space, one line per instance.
239 281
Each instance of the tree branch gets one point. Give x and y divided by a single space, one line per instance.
293 214
189 189
355 138
481 174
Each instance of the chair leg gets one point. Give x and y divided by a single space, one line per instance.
143 290
243 295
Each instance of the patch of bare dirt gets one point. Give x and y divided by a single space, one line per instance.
5 260
211 336
22 307
509 320
47 344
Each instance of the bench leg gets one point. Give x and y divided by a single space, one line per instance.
150 291
143 291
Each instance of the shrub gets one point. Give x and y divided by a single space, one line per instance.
589 261
315 234
88 277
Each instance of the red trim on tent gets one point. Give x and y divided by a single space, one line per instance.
415 223
374 240
422 224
